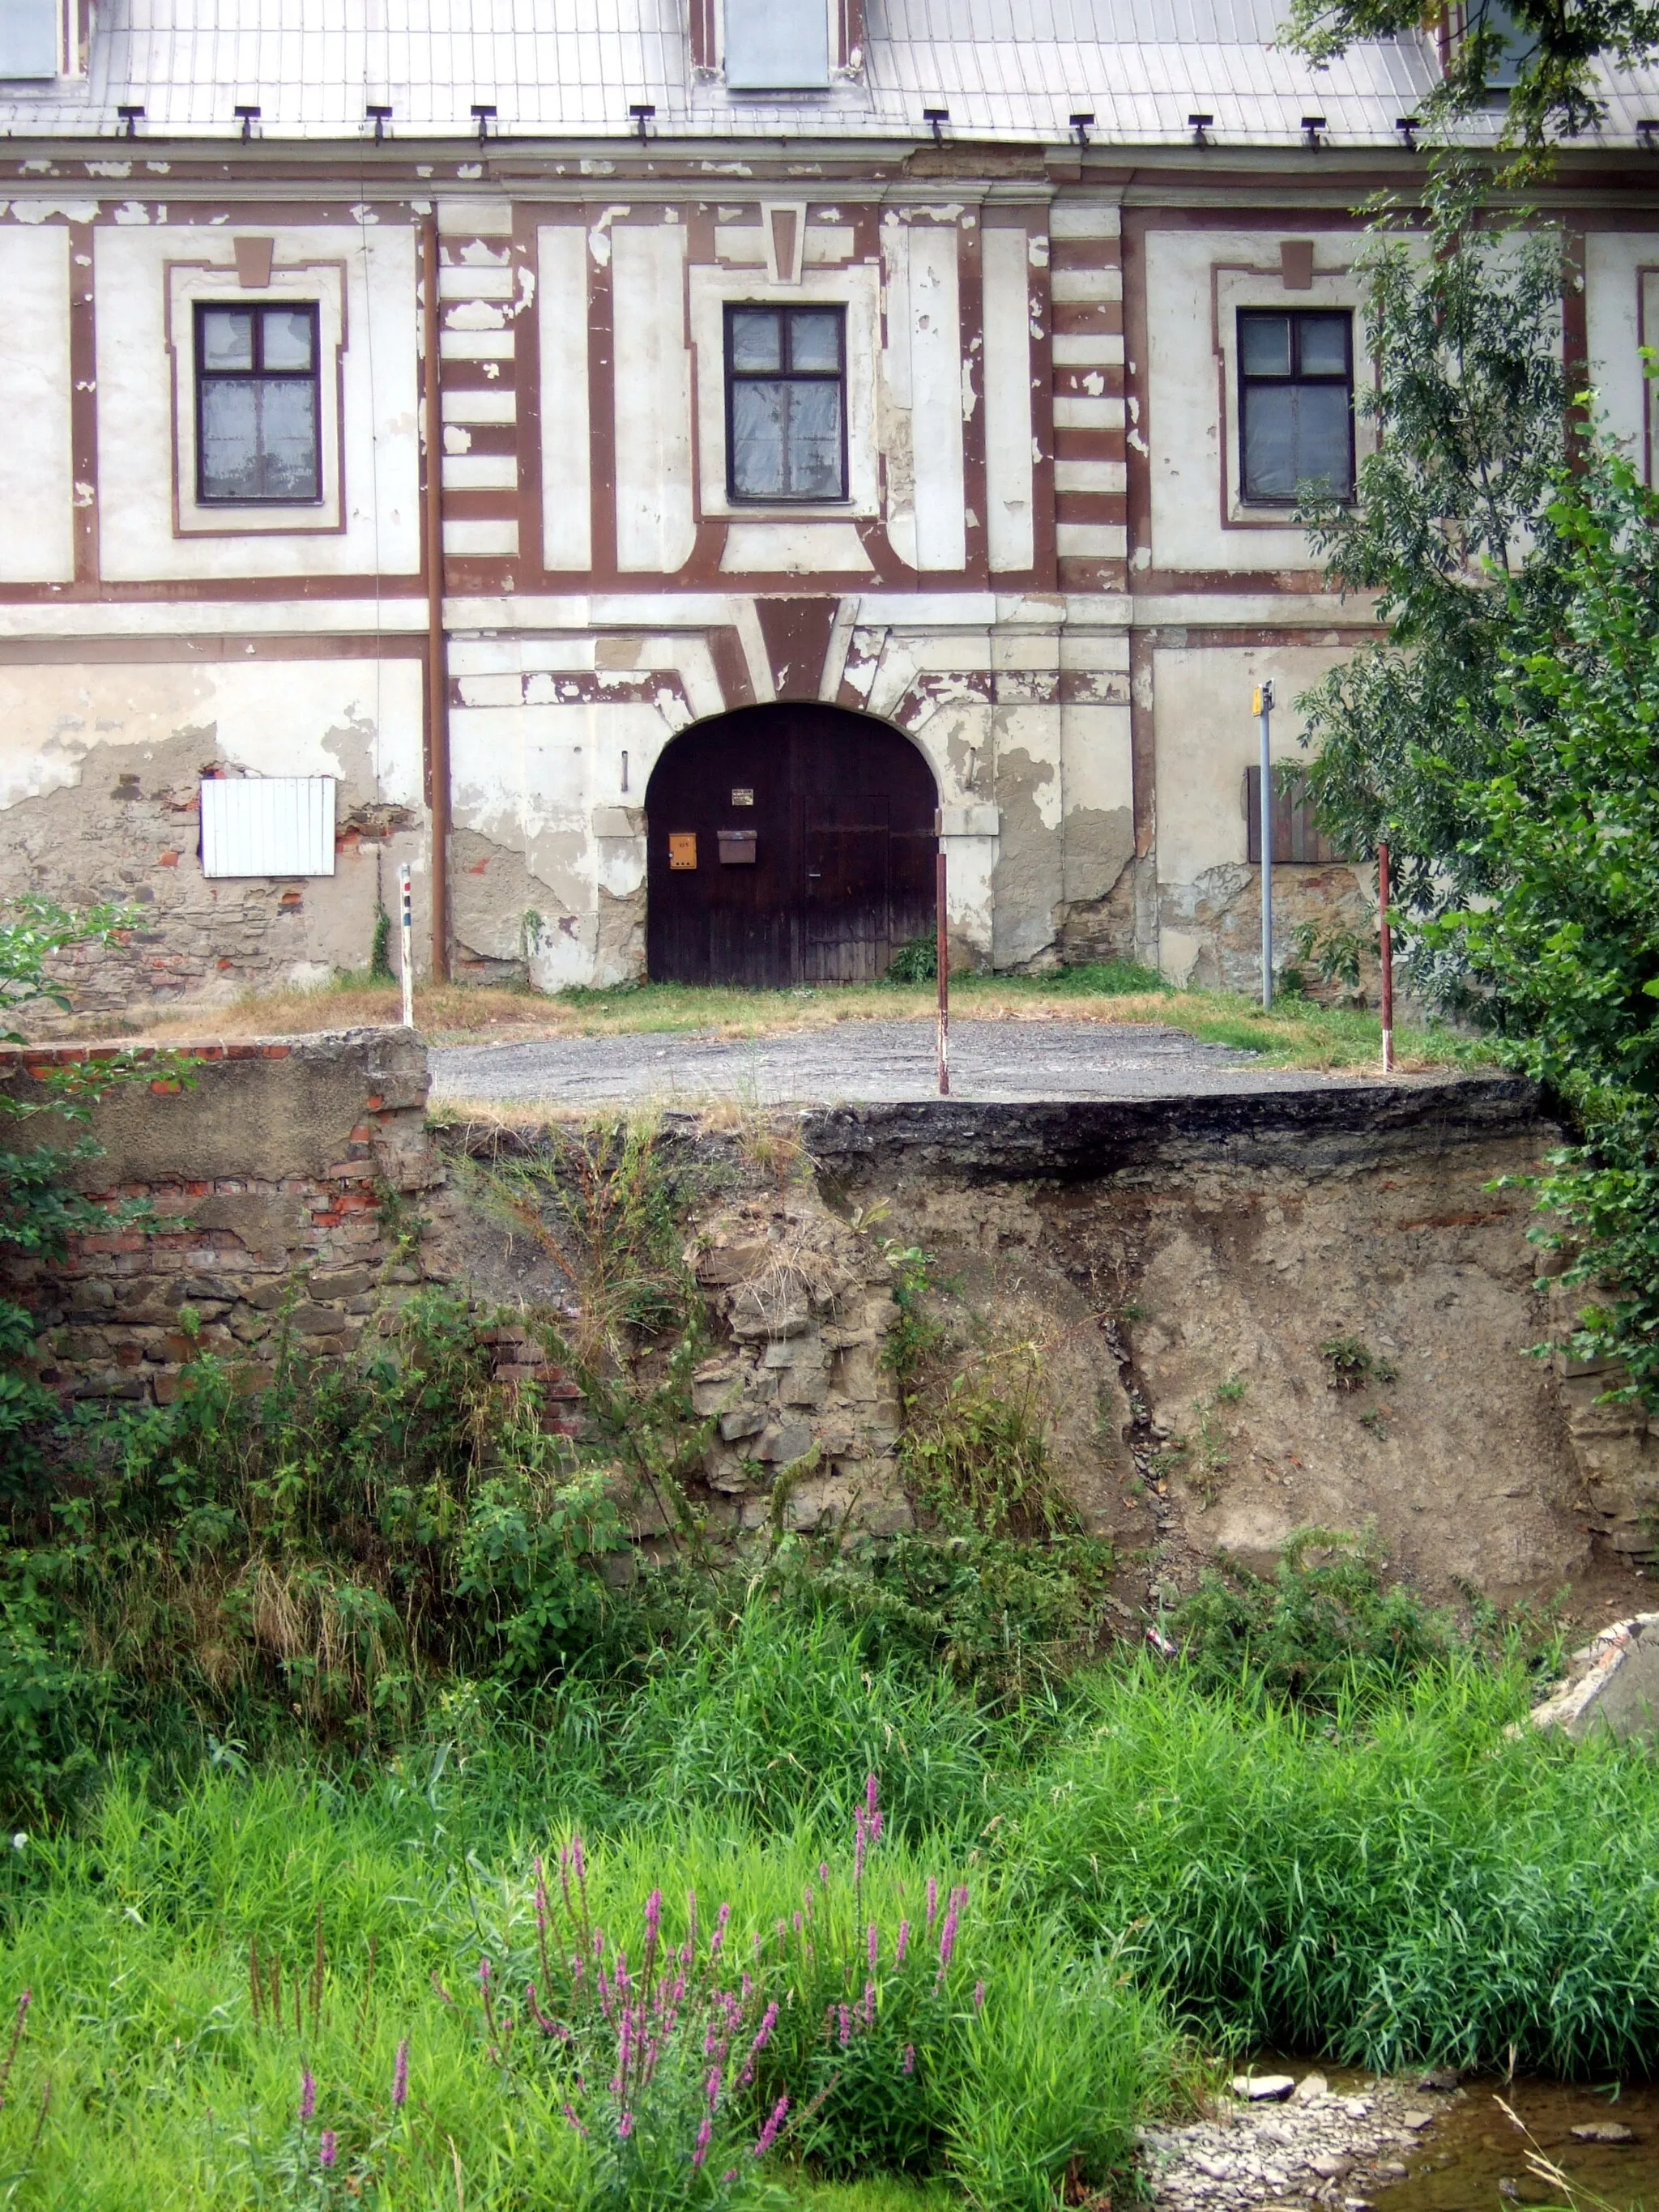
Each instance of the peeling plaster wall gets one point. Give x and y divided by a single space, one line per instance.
1209 897
101 769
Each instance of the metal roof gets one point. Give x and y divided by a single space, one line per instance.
1006 70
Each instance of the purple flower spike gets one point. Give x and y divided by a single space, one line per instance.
769 2134
400 2077
329 2149
625 2127
704 2134
979 1996
933 1901
904 1943
307 2095
910 2057
871 1943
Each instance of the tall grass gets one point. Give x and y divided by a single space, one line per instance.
1155 1861
1398 1882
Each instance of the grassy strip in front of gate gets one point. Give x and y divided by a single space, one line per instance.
1297 1033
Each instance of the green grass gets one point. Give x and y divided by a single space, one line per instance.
1298 1033
1389 1882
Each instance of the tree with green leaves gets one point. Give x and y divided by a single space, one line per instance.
1502 736
1552 48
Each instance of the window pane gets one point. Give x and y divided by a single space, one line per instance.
1321 435
755 341
227 339
287 438
814 446
1270 441
230 440
815 341
1266 342
757 412
288 339
1323 341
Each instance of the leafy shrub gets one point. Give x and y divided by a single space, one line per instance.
916 961
1326 1626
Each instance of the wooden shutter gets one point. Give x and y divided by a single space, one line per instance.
1298 839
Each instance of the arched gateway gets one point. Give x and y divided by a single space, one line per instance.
786 844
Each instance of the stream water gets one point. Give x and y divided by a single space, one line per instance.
1474 2159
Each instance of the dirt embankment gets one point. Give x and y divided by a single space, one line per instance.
1255 1316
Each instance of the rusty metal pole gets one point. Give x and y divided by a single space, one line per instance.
437 645
1385 948
943 941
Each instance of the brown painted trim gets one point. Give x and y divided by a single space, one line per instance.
116 652
83 408
602 419
1137 427
209 591
1180 638
970 342
437 655
731 666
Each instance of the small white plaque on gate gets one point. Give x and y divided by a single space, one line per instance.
743 796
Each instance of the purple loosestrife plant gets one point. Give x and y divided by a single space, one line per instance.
684 2073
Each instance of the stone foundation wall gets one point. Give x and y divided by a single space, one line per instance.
282 1173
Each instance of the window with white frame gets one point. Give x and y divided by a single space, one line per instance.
785 370
258 420
1295 404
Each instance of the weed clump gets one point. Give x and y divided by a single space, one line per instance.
1326 1630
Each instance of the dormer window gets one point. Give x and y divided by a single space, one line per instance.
1519 44
32 40
777 46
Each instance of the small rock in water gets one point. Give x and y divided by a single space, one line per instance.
1605 2131
1329 2167
1393 2169
1263 2088
1416 2120
1310 2087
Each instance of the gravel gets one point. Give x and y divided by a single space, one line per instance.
859 1063
1320 2147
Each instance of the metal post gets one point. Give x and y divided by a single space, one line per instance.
406 926
943 941
1385 934
1264 708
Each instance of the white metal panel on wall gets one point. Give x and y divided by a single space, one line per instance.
268 825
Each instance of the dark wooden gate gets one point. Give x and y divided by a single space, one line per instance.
787 845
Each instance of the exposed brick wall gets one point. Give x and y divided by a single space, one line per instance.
282 1172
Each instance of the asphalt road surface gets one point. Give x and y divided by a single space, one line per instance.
857 1063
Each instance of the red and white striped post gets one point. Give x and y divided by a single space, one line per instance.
1385 953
